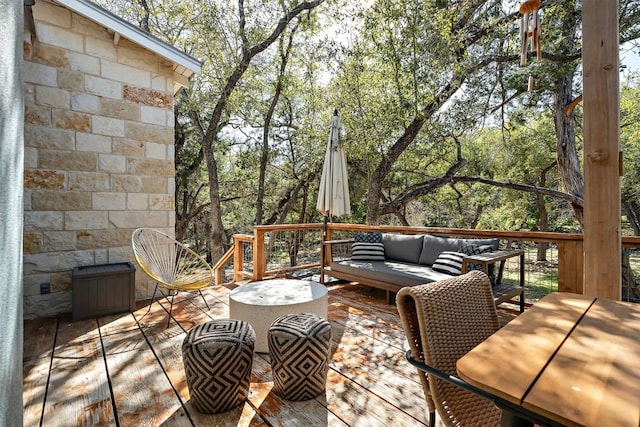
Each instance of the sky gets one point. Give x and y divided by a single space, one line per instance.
631 58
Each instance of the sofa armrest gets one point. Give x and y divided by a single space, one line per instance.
336 249
332 249
337 242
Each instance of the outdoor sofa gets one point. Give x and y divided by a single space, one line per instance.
391 261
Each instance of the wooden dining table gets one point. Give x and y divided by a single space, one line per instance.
571 359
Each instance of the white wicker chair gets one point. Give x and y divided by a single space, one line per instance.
171 264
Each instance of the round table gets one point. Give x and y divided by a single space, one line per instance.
261 303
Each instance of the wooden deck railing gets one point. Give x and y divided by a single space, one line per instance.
281 250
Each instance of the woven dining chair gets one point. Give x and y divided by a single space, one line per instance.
443 321
171 264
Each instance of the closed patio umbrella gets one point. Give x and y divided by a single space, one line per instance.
333 195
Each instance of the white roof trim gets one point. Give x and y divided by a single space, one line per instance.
104 17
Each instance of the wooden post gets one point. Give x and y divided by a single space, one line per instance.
259 265
328 255
570 266
238 259
602 240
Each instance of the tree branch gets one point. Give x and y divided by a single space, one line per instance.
522 187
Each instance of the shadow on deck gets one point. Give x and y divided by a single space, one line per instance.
126 370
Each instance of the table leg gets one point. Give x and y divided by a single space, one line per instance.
510 419
522 282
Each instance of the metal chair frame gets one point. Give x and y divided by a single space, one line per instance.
513 415
172 264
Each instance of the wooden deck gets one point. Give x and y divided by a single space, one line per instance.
126 370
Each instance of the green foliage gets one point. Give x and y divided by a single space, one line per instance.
382 64
630 145
630 134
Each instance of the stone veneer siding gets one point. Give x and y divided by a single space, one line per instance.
99 153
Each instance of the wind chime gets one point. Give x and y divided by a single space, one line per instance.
530 33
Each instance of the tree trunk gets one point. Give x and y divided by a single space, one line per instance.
543 224
248 53
567 155
216 238
630 287
631 210
144 22
476 217
188 209
298 235
264 155
543 215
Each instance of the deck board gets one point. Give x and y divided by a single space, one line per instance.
137 359
78 390
37 349
142 392
282 412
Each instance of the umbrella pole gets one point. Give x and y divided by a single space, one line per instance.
323 249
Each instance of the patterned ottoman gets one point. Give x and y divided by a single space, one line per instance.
218 357
299 347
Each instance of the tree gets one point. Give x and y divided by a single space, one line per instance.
567 154
418 57
473 50
230 40
414 84
284 52
248 50
629 139
189 164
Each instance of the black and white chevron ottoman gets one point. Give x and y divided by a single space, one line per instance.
218 357
299 347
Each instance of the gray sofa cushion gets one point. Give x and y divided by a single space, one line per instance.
397 273
400 247
433 246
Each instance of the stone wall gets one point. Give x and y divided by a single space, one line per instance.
99 153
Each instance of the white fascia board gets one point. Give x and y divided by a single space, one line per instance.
102 16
